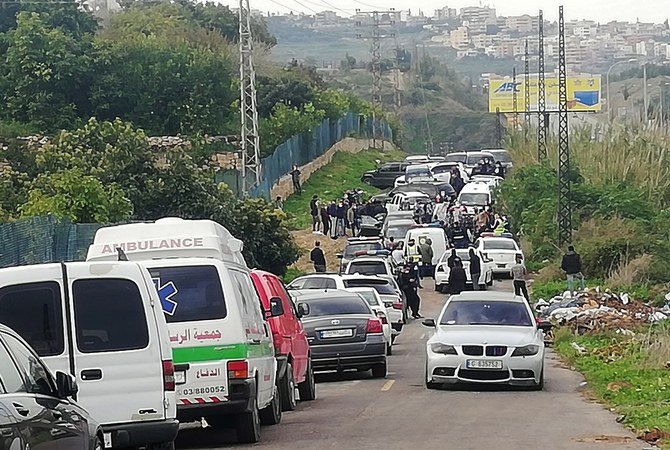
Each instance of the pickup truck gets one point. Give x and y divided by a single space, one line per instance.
384 176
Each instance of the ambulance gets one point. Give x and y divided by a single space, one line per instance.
222 347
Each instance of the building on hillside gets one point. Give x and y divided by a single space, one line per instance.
445 13
478 18
524 24
459 38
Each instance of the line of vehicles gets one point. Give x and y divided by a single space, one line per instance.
164 323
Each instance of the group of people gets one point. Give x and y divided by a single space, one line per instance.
336 219
487 167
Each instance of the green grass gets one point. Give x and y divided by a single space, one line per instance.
291 274
332 180
644 399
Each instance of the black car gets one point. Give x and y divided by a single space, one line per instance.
36 411
359 244
385 175
342 331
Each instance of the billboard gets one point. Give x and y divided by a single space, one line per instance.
583 93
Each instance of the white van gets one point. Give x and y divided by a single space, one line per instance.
436 235
102 323
475 196
225 367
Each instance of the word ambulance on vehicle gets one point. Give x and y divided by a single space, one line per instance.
225 365
102 323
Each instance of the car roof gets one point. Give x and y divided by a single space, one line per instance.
354 276
496 238
323 294
398 222
487 296
476 187
369 258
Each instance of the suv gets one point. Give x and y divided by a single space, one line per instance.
384 176
35 410
294 364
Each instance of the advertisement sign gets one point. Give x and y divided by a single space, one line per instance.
583 93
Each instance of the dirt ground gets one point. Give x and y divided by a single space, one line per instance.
305 239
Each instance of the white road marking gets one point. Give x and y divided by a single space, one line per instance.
423 336
387 386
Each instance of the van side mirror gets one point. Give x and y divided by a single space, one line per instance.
66 386
303 309
276 307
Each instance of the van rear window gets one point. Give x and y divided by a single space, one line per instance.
190 293
34 311
109 315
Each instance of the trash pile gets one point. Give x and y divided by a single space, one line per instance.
593 310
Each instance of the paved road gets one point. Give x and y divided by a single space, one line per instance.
354 412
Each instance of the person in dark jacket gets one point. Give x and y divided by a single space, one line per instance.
295 178
451 260
314 212
457 278
456 181
475 269
572 266
332 213
408 283
325 219
318 258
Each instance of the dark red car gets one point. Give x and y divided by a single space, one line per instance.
294 366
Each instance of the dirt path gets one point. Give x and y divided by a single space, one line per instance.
305 239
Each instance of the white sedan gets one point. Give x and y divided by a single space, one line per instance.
500 251
376 303
442 269
485 337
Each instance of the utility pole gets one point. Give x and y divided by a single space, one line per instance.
564 200
515 100
526 91
645 116
250 142
376 65
499 130
397 99
542 117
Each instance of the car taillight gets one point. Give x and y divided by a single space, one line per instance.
397 304
238 370
382 317
168 376
374 326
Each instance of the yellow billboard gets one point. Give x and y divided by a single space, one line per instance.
583 93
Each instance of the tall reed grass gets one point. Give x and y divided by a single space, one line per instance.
632 154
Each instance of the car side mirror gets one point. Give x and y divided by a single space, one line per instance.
545 326
276 307
303 309
428 323
66 386
339 255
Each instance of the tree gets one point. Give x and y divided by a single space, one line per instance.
78 197
68 16
46 73
289 91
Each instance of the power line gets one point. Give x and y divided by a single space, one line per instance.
284 6
349 13
305 6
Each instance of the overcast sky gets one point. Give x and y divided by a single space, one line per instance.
600 10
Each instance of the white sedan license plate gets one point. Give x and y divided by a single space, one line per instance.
483 364
180 377
502 266
337 333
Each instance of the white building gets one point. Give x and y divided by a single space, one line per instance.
460 38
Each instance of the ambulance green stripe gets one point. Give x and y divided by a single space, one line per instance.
219 352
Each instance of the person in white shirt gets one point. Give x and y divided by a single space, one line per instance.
397 253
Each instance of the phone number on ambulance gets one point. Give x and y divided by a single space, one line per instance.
204 390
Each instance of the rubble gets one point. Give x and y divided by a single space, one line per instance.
596 310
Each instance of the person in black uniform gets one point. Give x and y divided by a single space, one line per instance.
457 278
409 282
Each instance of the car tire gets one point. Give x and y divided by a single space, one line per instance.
389 350
271 414
287 390
368 181
307 388
248 425
379 370
539 386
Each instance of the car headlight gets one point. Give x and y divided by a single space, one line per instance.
527 350
443 349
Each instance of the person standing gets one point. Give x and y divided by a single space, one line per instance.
325 219
456 181
398 253
332 213
314 212
426 251
475 269
408 282
451 260
390 244
519 273
279 204
457 278
341 216
572 266
351 218
318 258
295 178
413 257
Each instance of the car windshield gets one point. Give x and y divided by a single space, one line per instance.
369 297
442 169
481 312
500 244
336 306
398 232
503 157
474 198
351 249
474 158
383 287
457 157
368 268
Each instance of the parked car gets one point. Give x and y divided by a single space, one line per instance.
485 337
375 301
501 155
343 332
358 244
500 251
371 226
442 270
294 365
442 171
407 201
101 323
457 157
382 266
397 229
475 196
37 410
384 176
474 158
